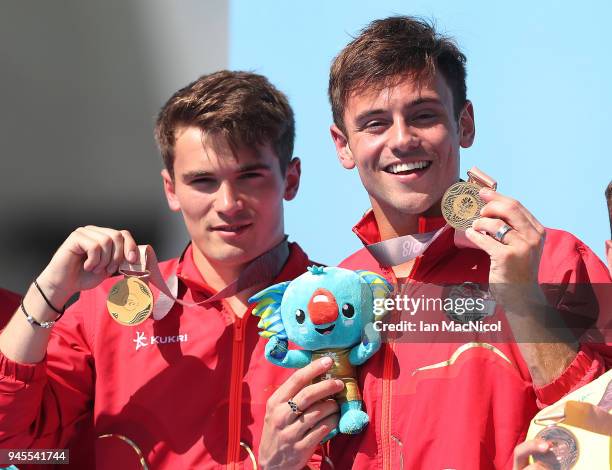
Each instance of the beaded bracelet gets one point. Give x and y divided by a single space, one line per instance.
33 321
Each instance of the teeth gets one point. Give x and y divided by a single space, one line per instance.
399 167
320 298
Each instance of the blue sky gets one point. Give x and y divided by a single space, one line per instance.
538 75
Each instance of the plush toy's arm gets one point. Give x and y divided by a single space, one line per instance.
278 353
367 348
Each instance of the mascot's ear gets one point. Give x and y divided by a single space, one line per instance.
379 286
268 303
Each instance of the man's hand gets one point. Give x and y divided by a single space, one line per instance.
289 440
515 259
87 257
513 280
527 448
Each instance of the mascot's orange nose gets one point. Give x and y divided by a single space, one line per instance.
322 307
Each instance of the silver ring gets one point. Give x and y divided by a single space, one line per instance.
294 408
501 233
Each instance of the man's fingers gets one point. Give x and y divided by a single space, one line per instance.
301 378
106 242
313 437
130 248
491 227
527 448
81 243
313 415
316 392
484 242
511 211
123 246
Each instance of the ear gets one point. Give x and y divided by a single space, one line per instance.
609 254
173 202
292 178
268 308
467 127
342 148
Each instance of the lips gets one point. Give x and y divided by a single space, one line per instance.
325 331
233 228
406 168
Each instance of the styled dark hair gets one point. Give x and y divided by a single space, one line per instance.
244 107
386 51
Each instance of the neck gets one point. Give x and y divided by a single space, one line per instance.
220 275
217 275
393 223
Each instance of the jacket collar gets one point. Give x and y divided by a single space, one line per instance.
190 275
367 228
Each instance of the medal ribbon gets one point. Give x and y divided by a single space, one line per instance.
261 270
396 251
399 250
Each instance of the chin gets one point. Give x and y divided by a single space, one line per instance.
412 204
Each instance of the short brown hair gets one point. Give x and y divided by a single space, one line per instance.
243 106
389 48
609 199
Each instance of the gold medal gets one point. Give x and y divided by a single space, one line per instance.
130 301
461 204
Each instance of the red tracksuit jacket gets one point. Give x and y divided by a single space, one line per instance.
471 414
187 391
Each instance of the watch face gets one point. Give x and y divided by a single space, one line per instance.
563 453
461 205
130 301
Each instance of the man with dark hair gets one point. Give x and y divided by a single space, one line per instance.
188 387
400 112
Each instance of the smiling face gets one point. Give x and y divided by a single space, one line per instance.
326 310
404 141
231 200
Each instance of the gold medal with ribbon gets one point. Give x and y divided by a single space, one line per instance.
461 203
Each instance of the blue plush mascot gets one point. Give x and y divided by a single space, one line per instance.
326 311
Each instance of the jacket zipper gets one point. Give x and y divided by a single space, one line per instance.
386 385
235 396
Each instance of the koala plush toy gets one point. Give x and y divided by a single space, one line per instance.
326 311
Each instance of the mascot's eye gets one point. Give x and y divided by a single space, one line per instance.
348 310
300 316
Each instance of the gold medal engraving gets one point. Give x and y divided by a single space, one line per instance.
461 205
130 301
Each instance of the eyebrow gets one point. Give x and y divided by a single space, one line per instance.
373 112
191 175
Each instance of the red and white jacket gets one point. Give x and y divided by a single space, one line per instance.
472 413
187 391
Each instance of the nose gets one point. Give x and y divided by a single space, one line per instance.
402 138
228 200
322 307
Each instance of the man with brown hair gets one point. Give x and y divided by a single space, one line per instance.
401 114
188 387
